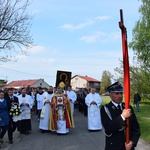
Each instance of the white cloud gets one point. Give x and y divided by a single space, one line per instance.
37 49
51 60
31 51
37 55
102 17
93 38
36 11
76 27
101 37
43 61
90 38
21 57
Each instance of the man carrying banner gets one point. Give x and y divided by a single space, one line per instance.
113 116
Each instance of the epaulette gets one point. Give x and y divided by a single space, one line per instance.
107 111
109 115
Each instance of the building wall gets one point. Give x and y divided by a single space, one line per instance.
78 82
40 83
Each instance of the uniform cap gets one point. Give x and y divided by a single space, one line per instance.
115 87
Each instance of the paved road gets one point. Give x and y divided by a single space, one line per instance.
78 138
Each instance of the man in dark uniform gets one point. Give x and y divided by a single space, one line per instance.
11 100
113 116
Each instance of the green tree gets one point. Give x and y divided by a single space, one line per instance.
106 81
140 74
141 35
14 28
140 78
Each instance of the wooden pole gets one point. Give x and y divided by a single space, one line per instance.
126 71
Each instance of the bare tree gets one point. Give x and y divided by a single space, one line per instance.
15 25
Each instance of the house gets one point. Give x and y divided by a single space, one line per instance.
33 83
78 81
2 83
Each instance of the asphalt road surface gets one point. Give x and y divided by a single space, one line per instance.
79 138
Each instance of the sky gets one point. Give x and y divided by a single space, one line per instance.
79 36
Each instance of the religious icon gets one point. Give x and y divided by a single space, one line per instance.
59 100
63 79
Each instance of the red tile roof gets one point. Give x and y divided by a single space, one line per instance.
22 83
90 79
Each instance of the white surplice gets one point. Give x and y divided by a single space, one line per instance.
45 113
72 97
94 118
26 110
40 100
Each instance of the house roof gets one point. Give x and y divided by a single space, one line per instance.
90 79
22 83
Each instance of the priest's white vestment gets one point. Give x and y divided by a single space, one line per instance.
94 118
45 113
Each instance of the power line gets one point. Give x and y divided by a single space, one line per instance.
24 72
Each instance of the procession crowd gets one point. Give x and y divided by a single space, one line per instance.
55 112
54 108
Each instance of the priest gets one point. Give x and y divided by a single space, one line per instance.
93 102
45 113
61 118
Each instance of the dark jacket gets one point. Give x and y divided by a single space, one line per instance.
9 101
115 128
137 98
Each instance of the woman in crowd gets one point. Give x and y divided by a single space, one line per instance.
4 117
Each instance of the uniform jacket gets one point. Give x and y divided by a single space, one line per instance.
115 128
